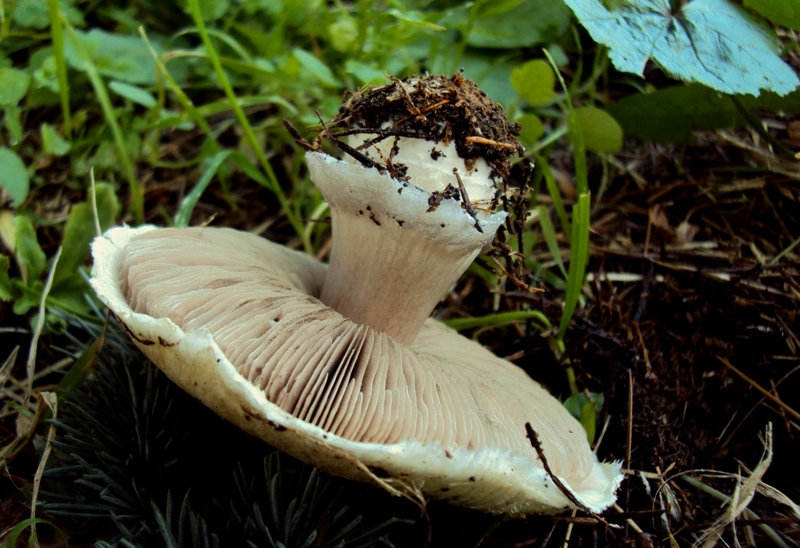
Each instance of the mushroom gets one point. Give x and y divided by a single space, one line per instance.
339 365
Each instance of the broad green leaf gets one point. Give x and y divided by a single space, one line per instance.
527 24
315 67
532 129
6 287
495 7
601 132
15 179
785 13
124 58
788 104
133 93
30 257
714 42
13 86
52 142
80 229
28 299
671 115
70 295
534 82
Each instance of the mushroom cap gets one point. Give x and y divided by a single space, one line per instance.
235 321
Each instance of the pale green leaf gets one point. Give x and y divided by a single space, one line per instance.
366 74
12 120
534 82
52 142
315 67
13 86
713 42
15 179
124 58
532 129
133 93
415 18
343 34
601 133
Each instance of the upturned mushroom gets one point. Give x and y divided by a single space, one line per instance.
339 365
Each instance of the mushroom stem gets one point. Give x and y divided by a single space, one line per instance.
388 278
393 255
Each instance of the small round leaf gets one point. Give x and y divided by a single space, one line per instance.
532 129
601 132
534 82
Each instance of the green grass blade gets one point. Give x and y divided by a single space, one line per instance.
11 542
497 320
136 191
184 214
57 38
575 135
222 37
579 256
83 367
549 233
555 193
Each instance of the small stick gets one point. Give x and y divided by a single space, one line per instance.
465 201
297 137
519 283
347 149
484 141
537 445
412 108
